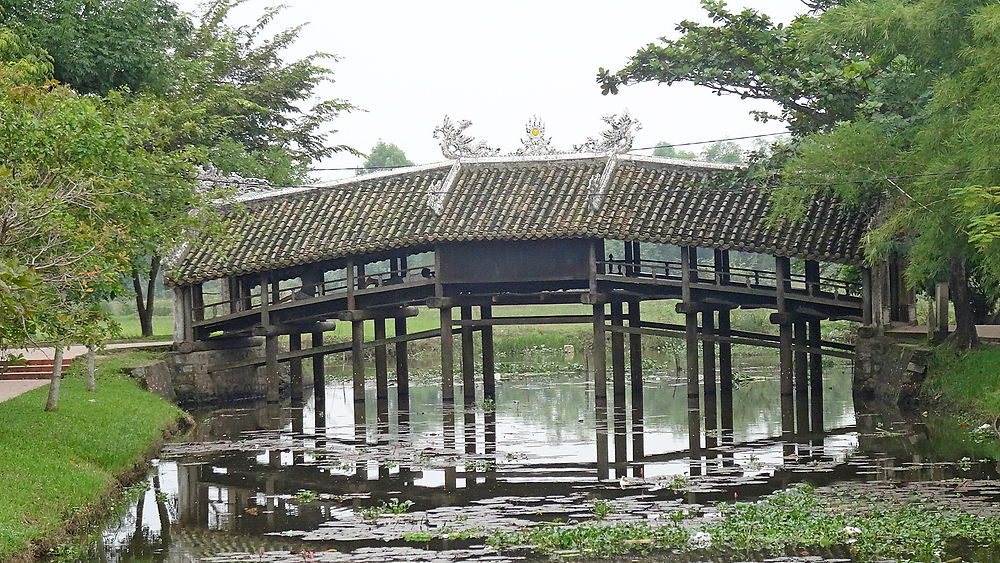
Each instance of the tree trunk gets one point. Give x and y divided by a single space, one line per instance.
964 337
144 298
91 368
53 399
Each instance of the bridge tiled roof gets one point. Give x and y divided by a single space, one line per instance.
644 199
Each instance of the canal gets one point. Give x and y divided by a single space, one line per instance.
299 482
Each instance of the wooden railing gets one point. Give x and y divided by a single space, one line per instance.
733 276
311 291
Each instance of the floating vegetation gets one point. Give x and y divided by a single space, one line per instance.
394 506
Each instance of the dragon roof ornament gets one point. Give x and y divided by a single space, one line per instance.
616 139
456 144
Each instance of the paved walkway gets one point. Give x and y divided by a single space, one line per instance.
14 387
989 333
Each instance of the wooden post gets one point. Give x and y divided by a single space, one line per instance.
635 371
381 374
708 379
941 299
725 353
708 351
381 362
599 354
800 358
601 429
198 302
319 373
635 358
618 354
358 368
468 361
271 377
402 369
447 356
816 375
489 360
295 366
689 261
867 304
781 268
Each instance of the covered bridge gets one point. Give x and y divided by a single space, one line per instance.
476 232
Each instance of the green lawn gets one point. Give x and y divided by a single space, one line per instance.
55 466
970 382
163 326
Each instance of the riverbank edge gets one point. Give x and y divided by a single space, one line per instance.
964 383
108 499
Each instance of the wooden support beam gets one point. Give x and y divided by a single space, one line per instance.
599 354
358 371
635 356
689 261
489 359
782 270
447 356
381 362
708 352
762 340
294 328
816 375
218 343
318 368
402 368
867 306
295 367
725 353
371 314
618 355
800 361
271 369
468 360
525 320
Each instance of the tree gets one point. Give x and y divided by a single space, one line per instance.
385 155
61 241
100 45
667 150
723 152
234 103
887 102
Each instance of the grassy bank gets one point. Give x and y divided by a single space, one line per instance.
969 383
57 468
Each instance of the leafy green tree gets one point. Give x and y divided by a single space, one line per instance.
234 103
385 155
61 244
724 152
889 103
667 150
100 45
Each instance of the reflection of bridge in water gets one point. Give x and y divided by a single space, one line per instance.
606 232
254 487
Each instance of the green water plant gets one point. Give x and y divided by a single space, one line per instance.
394 506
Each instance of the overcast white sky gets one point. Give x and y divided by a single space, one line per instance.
497 64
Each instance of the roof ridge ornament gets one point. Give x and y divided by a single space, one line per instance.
597 188
437 191
456 144
536 143
616 139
